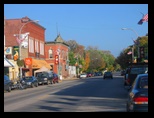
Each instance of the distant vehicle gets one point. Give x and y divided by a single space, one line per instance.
138 95
98 74
108 74
31 81
7 84
89 74
83 75
55 78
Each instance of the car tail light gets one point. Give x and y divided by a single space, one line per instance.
141 100
128 81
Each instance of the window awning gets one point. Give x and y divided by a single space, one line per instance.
8 63
39 64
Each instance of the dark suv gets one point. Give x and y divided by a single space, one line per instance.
45 77
134 70
108 74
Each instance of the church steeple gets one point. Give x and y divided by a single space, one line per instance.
59 38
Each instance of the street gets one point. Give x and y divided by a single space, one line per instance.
80 95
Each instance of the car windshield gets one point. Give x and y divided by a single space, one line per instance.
55 75
138 70
144 82
108 73
28 78
44 75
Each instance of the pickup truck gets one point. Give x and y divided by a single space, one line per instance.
134 70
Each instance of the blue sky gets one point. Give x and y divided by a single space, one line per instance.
97 25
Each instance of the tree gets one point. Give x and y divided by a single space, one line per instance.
20 63
72 44
87 61
72 60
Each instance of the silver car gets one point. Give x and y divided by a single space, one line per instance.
83 75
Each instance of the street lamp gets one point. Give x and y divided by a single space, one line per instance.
133 45
19 37
59 71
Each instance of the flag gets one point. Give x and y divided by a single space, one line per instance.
140 22
21 40
129 53
144 19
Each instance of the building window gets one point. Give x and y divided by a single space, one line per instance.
31 45
51 67
41 48
50 53
36 46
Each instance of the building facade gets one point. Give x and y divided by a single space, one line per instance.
57 49
32 47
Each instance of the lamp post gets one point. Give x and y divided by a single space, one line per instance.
19 37
133 45
59 73
78 62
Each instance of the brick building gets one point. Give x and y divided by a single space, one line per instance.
32 46
57 48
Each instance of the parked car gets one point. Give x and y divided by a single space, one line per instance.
134 70
138 95
55 78
7 83
45 77
108 74
83 75
31 81
89 74
123 72
98 74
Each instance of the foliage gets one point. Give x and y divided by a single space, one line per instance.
20 63
87 61
72 60
72 44
124 59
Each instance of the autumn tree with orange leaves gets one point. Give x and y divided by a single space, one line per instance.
87 61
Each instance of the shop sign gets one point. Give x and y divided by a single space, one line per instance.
28 61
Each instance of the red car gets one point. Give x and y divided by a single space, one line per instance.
89 74
55 78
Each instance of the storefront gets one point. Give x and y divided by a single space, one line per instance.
10 68
7 63
35 64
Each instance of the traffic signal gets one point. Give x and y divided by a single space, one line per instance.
141 52
56 59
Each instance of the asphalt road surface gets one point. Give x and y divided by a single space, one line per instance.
80 95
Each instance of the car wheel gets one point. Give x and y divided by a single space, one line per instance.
127 108
36 84
9 89
32 85
48 82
